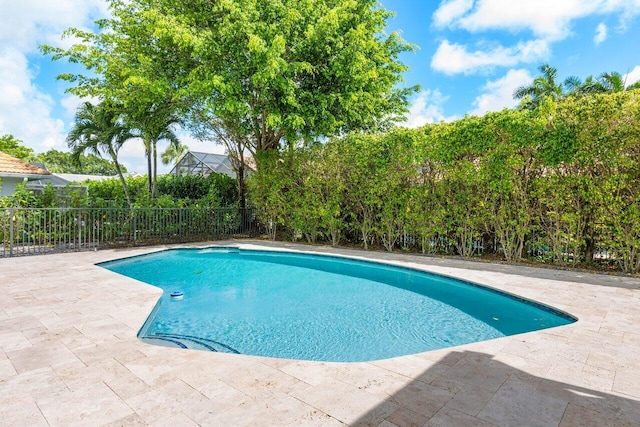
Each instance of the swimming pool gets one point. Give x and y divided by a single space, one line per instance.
313 307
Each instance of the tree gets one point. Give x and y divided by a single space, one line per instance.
634 86
63 162
576 87
173 153
99 129
543 86
612 82
13 146
283 70
230 134
156 127
605 83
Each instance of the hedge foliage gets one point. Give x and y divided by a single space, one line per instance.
559 184
216 190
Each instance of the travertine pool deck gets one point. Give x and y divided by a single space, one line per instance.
70 356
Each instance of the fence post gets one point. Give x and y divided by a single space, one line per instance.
79 230
218 224
11 232
135 226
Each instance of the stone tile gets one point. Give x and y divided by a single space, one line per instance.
135 420
345 403
522 364
517 402
71 339
178 419
475 371
372 379
6 370
163 402
449 417
627 381
258 380
12 341
31 358
20 411
470 400
422 398
149 371
33 384
19 323
578 416
404 417
414 367
314 418
75 409
310 373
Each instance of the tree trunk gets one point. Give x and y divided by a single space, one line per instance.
589 240
242 201
123 181
149 169
154 187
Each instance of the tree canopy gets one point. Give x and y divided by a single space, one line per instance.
280 70
12 146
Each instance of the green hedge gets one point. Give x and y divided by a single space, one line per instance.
558 184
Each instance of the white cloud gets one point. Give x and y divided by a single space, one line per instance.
498 94
632 76
427 108
548 19
70 103
450 10
601 34
455 58
25 110
26 23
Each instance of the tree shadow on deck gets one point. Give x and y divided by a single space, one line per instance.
467 388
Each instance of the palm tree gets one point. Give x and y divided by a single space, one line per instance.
543 86
173 153
634 86
576 87
612 82
155 128
98 129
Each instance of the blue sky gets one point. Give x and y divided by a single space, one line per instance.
471 56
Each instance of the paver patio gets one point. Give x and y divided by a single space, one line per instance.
70 356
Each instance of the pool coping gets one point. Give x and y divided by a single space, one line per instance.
70 355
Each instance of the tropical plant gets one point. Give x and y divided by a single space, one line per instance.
576 87
99 129
612 82
157 126
543 86
173 153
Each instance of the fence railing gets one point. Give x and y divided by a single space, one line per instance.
31 231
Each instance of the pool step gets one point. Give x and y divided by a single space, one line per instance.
188 341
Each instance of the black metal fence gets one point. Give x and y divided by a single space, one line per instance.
32 231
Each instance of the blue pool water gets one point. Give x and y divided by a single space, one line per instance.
300 306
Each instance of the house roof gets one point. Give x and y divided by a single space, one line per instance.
12 166
196 162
